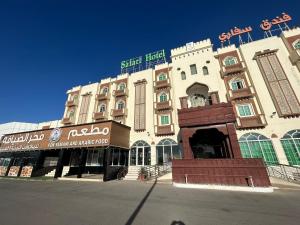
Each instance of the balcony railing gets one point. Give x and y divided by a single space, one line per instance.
100 116
119 93
164 130
163 105
206 115
71 103
162 83
118 112
255 121
226 70
241 93
102 96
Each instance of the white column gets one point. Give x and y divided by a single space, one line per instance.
279 151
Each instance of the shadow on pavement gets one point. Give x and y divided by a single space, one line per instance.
138 208
177 223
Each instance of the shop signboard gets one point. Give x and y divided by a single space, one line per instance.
13 171
26 171
3 170
87 135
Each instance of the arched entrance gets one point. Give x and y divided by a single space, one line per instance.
198 95
291 145
140 154
209 143
254 145
166 150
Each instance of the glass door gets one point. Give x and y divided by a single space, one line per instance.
140 154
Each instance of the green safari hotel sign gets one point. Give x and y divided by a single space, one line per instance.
148 58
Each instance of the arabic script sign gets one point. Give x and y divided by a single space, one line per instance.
266 24
233 32
89 135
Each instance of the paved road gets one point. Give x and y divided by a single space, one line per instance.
120 202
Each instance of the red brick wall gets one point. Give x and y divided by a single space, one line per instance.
220 171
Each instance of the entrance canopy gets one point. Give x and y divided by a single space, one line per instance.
107 133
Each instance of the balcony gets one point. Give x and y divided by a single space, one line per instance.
162 84
164 130
163 105
100 116
71 103
120 93
118 112
102 96
66 121
227 70
257 121
206 115
241 93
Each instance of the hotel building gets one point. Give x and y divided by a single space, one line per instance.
225 106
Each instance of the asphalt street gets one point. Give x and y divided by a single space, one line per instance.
123 203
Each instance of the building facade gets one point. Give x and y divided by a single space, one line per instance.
261 79
232 102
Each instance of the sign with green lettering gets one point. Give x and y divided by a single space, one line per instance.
149 61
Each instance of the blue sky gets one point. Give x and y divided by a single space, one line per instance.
47 47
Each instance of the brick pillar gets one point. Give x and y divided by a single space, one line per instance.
235 147
186 133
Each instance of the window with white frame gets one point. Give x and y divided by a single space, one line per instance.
237 84
121 86
245 110
296 44
75 98
104 90
164 120
193 69
102 107
71 114
162 76
163 97
230 60
183 76
205 70
120 104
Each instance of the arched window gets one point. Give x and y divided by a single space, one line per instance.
120 104
237 84
291 145
166 150
230 60
121 86
205 70
75 99
197 100
140 154
183 76
102 107
254 145
296 44
163 97
71 115
162 76
104 90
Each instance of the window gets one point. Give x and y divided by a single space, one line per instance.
166 150
120 104
95 157
140 154
245 110
183 76
164 120
75 98
162 76
291 146
193 69
121 86
104 90
197 100
102 108
254 145
230 60
71 115
205 70
237 84
163 97
297 44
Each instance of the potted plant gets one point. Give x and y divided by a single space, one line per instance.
143 174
